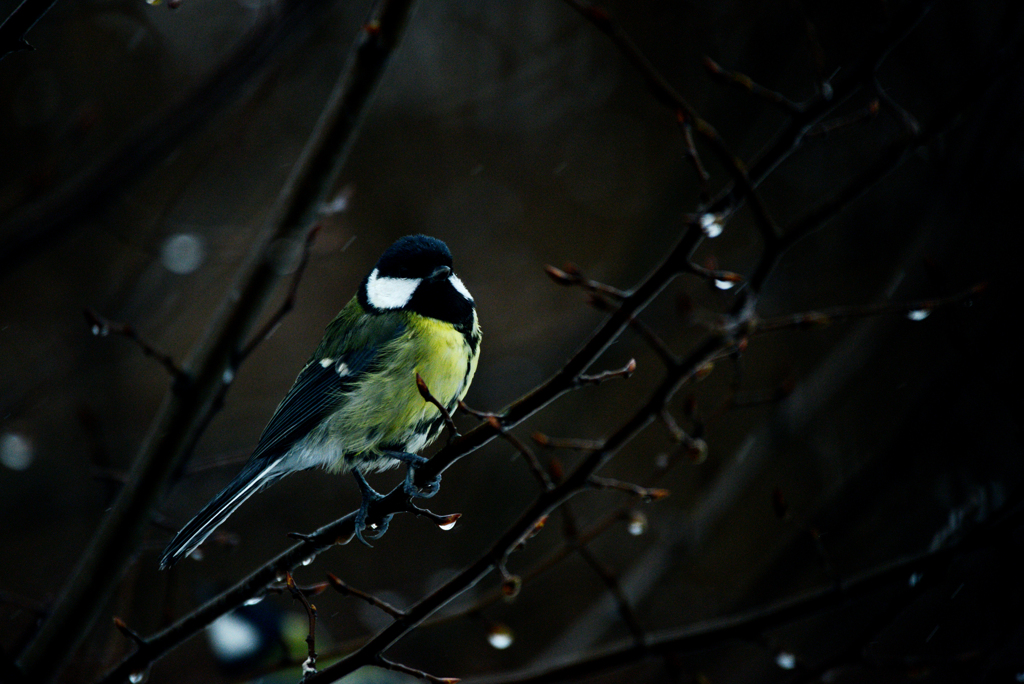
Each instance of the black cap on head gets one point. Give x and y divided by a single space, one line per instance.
413 256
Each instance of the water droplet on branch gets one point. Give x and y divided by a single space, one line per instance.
711 224
637 524
785 660
500 636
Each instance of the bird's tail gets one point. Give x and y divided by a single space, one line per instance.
254 477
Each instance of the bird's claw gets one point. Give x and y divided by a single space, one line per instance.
414 462
428 490
378 528
369 497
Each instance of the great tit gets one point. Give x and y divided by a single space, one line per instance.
356 405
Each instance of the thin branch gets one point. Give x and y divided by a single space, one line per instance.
424 391
531 458
346 590
16 26
908 120
574 443
695 449
102 327
714 275
309 665
622 603
657 345
383 662
607 577
130 633
310 590
744 82
648 494
571 275
623 373
582 539
445 521
289 301
865 114
480 415
916 311
703 177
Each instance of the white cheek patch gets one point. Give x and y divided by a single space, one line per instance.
459 287
389 293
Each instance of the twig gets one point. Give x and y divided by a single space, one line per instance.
917 310
444 521
424 391
581 539
606 576
310 590
695 448
744 82
102 327
309 665
571 275
510 584
574 443
622 603
383 662
289 301
624 373
714 275
481 415
703 177
346 590
19 23
868 113
531 458
657 345
132 635
646 493
908 120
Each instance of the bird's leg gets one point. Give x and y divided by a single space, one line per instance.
414 461
369 496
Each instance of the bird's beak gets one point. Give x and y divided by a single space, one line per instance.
440 273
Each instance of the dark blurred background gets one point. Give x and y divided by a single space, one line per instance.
519 135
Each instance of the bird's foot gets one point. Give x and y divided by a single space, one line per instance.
414 461
369 497
414 490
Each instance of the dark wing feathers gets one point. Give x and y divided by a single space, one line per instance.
314 395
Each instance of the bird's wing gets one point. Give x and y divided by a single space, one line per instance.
316 393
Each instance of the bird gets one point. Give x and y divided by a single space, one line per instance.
356 406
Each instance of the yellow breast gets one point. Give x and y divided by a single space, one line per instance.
385 409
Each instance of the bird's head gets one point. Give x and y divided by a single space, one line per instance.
415 274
